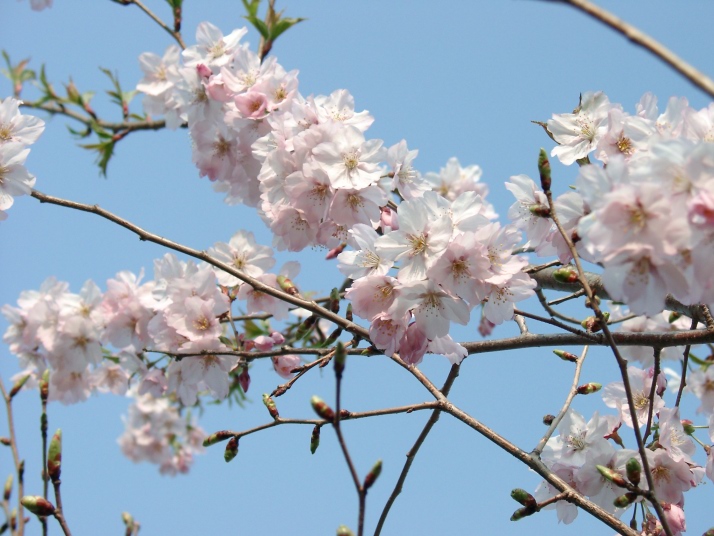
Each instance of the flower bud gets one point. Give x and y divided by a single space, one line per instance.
45 385
623 501
674 316
54 456
305 327
566 274
270 404
522 496
348 314
634 471
340 359
315 439
38 505
688 426
334 252
523 512
544 170
5 441
7 491
244 379
589 388
334 304
566 356
548 419
333 337
710 532
127 518
287 285
613 476
217 437
342 530
18 385
322 409
593 324
373 474
231 449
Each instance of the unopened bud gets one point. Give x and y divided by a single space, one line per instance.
334 304
322 409
634 471
688 426
348 314
613 476
287 285
623 501
373 474
340 359
566 274
7 491
522 496
270 404
342 530
710 532
18 385
128 520
566 356
54 456
593 324
589 388
315 439
231 449
305 327
38 505
334 252
333 337
5 441
548 419
523 512
674 316
45 385
544 170
244 379
217 437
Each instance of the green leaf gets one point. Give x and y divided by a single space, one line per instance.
283 24
251 7
105 151
259 25
174 3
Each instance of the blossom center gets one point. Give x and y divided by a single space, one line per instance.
5 132
351 161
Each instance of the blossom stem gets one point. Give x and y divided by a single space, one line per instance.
568 400
653 390
19 464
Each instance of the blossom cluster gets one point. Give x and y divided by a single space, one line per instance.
647 216
17 133
306 165
580 447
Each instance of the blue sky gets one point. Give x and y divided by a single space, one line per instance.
454 78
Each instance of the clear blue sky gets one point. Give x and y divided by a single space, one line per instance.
454 78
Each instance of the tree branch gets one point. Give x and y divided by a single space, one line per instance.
639 38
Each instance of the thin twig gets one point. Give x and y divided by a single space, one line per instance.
157 20
551 311
553 322
638 37
59 512
568 400
202 255
653 391
433 418
19 464
521 322
569 297
685 363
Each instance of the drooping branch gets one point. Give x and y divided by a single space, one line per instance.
639 38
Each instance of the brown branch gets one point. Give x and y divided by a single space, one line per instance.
433 418
685 362
175 34
653 391
639 38
203 256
